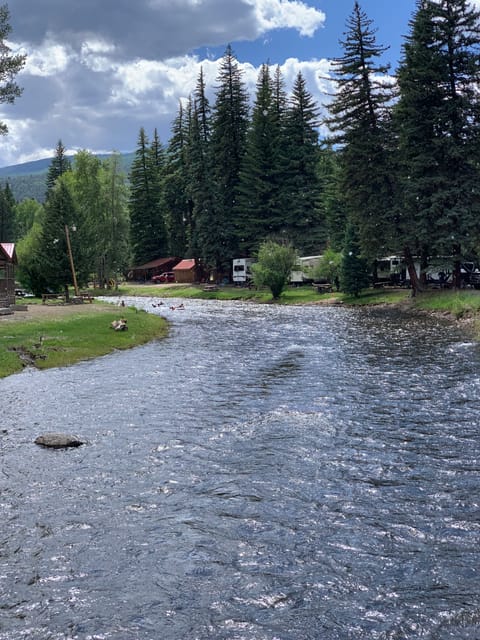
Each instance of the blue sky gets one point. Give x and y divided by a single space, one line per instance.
391 18
97 71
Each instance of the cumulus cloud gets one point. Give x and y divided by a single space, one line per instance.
98 71
278 14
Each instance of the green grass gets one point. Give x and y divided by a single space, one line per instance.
458 303
376 297
69 339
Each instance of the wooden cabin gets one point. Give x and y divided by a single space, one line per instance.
8 260
146 271
186 271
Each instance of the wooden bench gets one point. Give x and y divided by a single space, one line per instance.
52 297
210 287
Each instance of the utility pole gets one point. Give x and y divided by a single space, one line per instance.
70 255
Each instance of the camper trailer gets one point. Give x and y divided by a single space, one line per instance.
302 271
241 272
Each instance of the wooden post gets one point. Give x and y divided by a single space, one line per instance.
70 255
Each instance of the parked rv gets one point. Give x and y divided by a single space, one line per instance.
241 270
302 271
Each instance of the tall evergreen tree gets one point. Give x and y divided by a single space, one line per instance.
176 201
354 272
146 218
7 214
59 165
360 122
202 187
438 120
302 216
52 251
229 127
331 199
10 65
259 206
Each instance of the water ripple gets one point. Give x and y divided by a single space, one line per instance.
264 473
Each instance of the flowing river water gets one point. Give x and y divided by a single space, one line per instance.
264 473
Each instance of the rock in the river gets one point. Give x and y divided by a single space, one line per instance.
58 440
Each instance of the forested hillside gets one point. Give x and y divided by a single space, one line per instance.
28 180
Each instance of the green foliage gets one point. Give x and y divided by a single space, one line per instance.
10 65
302 218
260 203
30 272
147 225
354 273
7 215
176 204
360 122
26 213
438 123
227 147
273 267
329 267
52 255
59 165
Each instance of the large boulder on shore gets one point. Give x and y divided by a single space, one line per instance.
58 440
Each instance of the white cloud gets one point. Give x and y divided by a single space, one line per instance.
93 77
281 14
48 60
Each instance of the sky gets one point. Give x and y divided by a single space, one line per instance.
99 70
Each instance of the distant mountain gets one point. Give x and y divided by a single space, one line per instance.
28 180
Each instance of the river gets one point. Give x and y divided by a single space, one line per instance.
264 473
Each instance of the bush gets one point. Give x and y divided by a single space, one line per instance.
273 267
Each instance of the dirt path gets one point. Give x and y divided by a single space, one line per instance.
39 311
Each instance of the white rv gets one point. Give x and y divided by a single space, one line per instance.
302 271
241 272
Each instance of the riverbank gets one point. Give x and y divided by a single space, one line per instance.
46 336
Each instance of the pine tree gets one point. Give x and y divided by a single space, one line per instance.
438 120
147 229
302 220
176 203
60 164
7 214
10 65
229 126
360 122
52 256
354 275
202 187
332 203
259 205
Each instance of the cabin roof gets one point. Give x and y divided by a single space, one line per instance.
8 250
158 262
185 265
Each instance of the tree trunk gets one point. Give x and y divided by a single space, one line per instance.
412 272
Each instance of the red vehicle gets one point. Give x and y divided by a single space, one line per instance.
167 276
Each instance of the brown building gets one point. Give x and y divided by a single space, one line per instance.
153 268
8 260
186 271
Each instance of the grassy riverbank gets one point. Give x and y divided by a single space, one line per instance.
48 336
